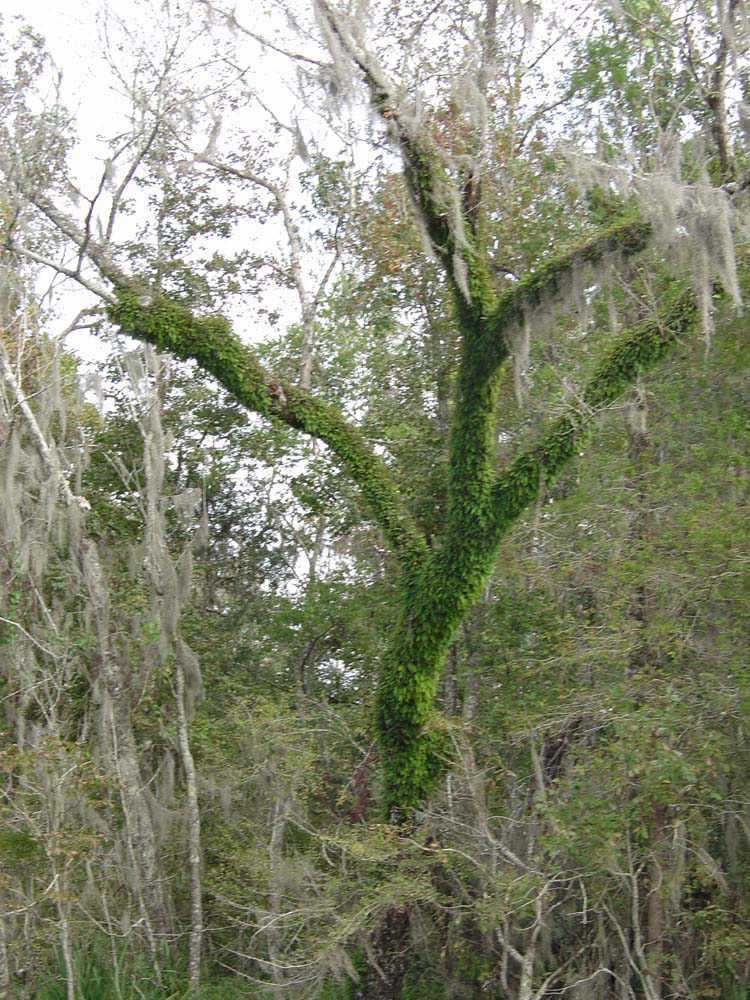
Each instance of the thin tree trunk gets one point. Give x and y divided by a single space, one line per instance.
388 953
472 691
656 917
450 699
275 857
308 344
525 960
4 958
23 973
66 944
194 834
642 656
139 827
638 447
716 97
303 679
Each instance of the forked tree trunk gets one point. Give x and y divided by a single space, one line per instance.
438 584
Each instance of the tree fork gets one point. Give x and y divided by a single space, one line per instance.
437 589
435 603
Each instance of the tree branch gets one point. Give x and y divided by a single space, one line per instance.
47 454
97 253
486 343
210 341
451 578
636 351
308 305
625 237
419 159
219 352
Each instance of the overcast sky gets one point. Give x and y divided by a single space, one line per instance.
70 34
69 30
72 38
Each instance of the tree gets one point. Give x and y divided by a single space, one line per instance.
656 198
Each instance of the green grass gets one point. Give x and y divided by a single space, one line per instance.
95 979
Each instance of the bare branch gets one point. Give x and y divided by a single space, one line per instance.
46 453
122 186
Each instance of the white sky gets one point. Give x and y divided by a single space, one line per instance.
71 36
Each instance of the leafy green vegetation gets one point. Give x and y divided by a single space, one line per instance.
374 621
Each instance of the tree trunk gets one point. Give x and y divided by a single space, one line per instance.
4 957
141 836
472 692
281 811
450 686
643 656
389 954
656 917
66 940
642 608
139 827
194 832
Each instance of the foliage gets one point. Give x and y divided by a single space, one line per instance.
401 654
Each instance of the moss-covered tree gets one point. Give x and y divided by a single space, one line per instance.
679 213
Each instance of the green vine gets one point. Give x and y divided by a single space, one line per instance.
210 341
438 586
435 603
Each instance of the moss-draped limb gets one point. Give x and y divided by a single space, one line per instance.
451 224
436 600
438 588
636 351
450 230
485 322
484 346
625 237
210 341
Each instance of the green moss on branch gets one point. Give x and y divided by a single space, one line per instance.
437 588
210 341
436 601
625 237
635 352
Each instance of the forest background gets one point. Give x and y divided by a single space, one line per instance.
374 617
